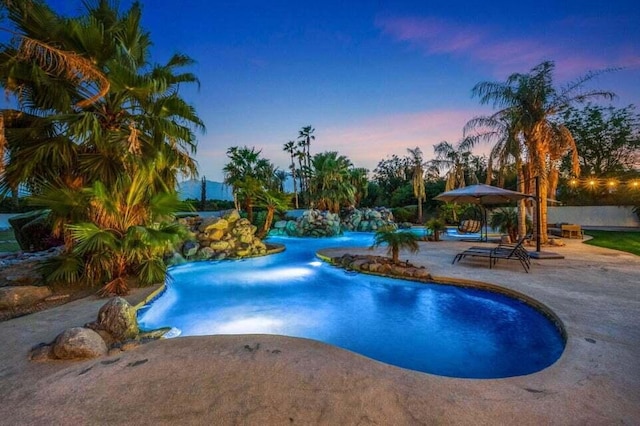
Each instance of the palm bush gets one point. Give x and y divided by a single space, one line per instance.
101 135
505 220
125 238
436 226
395 241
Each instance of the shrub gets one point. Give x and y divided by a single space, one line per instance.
401 214
436 226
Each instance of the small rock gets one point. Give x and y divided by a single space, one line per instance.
79 343
190 248
119 318
41 353
12 297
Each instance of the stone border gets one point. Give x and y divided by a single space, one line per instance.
460 282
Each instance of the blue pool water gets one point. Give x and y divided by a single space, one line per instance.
444 330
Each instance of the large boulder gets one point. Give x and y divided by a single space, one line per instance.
118 318
79 343
13 297
219 224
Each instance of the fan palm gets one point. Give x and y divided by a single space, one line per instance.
395 241
96 122
330 181
127 233
272 201
140 119
248 174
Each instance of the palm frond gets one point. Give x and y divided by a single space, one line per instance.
67 64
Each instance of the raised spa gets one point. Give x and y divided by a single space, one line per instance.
438 329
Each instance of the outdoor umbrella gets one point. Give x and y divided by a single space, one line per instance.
482 195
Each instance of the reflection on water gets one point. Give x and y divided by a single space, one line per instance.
431 328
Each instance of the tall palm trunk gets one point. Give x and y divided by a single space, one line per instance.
395 254
295 184
522 204
267 221
540 168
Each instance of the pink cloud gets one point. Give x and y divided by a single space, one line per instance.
507 55
431 34
369 141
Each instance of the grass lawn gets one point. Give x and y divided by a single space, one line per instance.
8 241
624 241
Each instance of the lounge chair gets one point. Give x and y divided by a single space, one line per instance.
501 251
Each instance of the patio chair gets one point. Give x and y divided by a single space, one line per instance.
501 251
469 226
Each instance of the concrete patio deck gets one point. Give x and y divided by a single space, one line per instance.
258 379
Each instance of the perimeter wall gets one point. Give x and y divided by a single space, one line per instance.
594 215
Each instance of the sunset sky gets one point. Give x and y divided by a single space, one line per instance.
374 77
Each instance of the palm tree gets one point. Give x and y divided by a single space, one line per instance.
248 174
358 179
395 241
281 178
507 151
453 160
272 201
505 220
290 148
417 180
532 104
126 234
330 181
305 136
67 133
83 136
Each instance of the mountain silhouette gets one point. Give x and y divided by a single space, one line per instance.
215 190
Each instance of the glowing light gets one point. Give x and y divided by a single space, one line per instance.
592 182
315 263
257 324
635 184
276 274
612 183
573 182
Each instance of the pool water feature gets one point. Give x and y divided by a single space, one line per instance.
439 329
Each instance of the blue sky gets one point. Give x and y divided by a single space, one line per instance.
374 77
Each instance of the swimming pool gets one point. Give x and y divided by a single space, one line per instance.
438 329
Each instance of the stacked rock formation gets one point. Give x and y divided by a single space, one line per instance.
367 220
316 223
381 266
312 223
218 238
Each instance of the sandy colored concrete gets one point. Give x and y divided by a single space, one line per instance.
258 379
